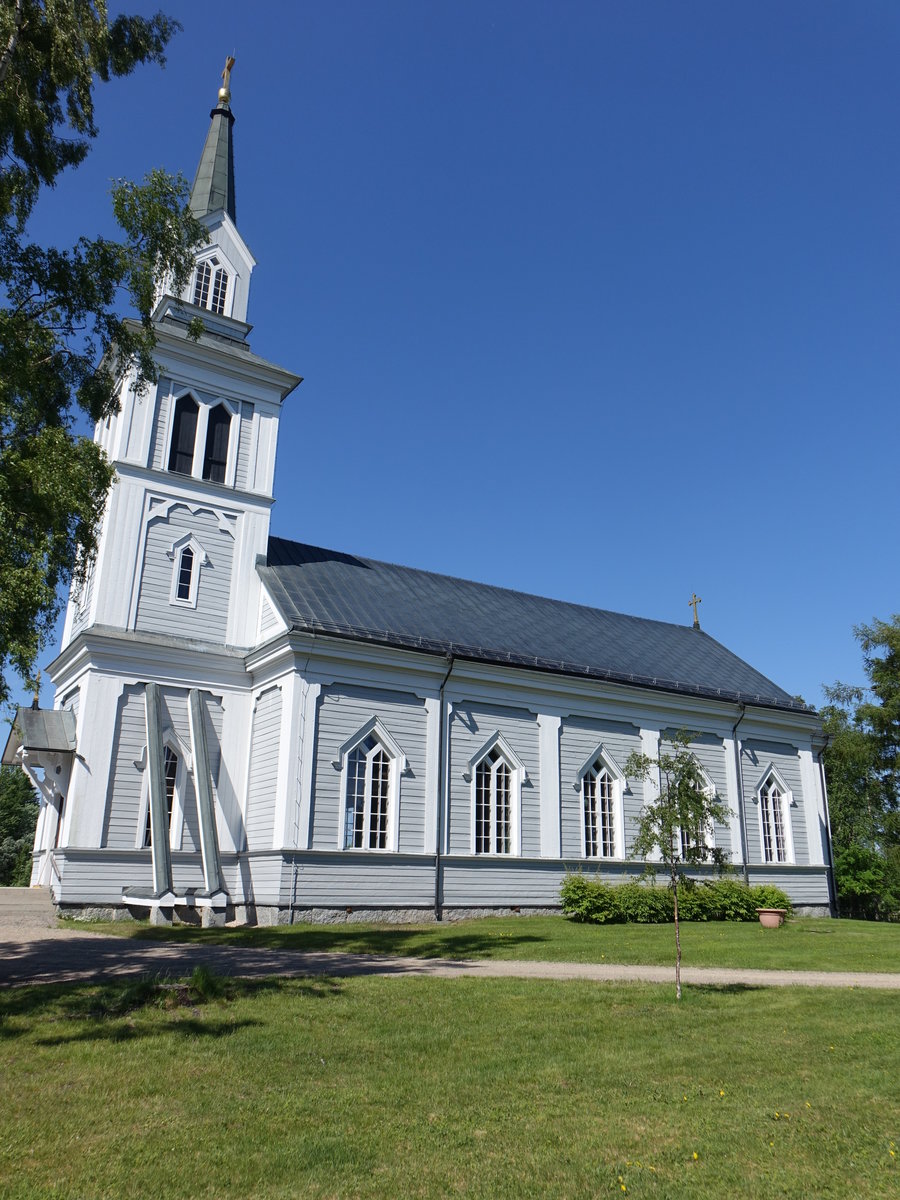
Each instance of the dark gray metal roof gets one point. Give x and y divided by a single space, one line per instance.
51 729
325 591
213 188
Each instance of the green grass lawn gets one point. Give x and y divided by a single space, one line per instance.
375 1087
809 943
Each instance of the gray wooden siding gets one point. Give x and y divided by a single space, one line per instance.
268 621
99 876
155 610
579 737
158 440
342 711
243 430
82 596
470 727
755 758
502 883
125 793
264 751
72 701
123 799
359 880
803 887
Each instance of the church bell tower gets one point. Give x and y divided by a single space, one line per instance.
195 453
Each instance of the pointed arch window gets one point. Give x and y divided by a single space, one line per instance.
371 764
177 766
602 785
493 805
170 776
368 796
689 839
211 285
215 458
775 800
187 556
496 777
184 435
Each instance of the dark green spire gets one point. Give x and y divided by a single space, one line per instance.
213 188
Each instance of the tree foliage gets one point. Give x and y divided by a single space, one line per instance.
677 822
862 764
65 345
18 817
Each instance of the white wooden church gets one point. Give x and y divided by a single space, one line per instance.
258 729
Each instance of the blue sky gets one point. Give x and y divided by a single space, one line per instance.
594 300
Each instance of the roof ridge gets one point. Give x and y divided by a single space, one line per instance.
495 587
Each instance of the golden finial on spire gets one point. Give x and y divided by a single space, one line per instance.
225 89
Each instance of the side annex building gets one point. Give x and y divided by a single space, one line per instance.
253 728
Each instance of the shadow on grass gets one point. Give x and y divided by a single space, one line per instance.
723 989
197 1007
420 941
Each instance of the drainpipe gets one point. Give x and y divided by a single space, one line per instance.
832 884
439 832
740 782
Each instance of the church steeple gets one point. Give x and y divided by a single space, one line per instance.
213 189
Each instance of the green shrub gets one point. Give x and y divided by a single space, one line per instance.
645 904
726 899
697 901
585 899
767 895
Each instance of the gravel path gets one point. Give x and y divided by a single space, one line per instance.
33 949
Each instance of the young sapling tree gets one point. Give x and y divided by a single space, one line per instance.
679 822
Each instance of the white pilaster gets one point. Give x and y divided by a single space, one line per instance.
733 799
813 809
98 709
651 785
232 790
310 717
548 743
432 770
286 829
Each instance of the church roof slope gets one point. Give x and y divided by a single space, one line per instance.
326 591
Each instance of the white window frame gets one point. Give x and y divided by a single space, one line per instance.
619 783
201 558
185 767
204 407
518 776
772 775
397 767
224 264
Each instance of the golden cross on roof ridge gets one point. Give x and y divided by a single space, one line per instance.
692 603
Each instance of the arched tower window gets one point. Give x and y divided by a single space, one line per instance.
185 574
211 285
215 458
184 434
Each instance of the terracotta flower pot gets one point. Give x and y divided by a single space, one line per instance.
771 918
